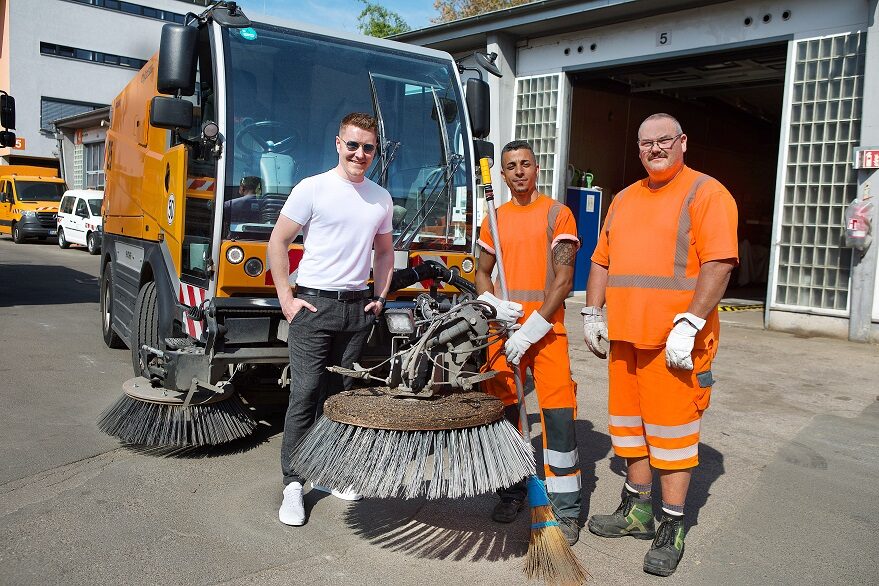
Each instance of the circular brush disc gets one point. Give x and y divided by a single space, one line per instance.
377 409
140 388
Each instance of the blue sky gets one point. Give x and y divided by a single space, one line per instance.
339 14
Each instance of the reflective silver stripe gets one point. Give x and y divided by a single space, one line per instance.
683 241
679 282
526 295
561 459
673 431
625 420
628 441
675 455
559 484
652 282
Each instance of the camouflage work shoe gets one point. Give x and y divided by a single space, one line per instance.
634 517
668 547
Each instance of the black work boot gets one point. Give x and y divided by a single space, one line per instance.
507 509
570 528
634 517
667 548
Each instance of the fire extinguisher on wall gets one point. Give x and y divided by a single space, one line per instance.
858 222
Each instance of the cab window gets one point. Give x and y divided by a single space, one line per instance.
67 204
8 193
81 209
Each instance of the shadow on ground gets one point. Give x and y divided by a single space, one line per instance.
25 285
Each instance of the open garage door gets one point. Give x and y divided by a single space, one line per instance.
730 106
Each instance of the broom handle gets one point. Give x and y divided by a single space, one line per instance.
525 429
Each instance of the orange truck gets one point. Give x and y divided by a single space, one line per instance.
206 143
29 198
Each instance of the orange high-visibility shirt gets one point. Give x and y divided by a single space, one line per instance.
653 243
528 234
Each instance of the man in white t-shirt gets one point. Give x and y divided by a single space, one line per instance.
343 216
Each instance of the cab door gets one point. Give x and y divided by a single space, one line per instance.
77 222
7 201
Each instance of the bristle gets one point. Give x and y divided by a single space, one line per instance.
549 557
162 425
381 463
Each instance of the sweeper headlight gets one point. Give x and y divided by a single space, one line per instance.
253 267
235 255
400 321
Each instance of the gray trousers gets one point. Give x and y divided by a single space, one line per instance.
334 335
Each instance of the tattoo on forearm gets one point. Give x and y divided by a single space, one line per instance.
564 253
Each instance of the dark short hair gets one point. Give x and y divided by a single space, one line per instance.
360 120
518 145
251 183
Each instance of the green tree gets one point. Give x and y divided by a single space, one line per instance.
378 21
450 10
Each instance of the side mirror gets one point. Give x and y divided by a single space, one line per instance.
7 139
478 103
483 149
171 113
177 60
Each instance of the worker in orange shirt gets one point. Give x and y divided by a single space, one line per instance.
662 264
538 242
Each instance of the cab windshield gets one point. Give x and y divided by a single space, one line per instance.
38 191
288 90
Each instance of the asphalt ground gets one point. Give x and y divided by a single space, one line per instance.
785 492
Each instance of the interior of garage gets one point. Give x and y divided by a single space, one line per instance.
729 105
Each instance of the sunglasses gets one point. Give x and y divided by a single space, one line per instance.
353 145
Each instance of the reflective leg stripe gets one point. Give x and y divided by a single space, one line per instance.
563 484
675 455
561 459
673 431
625 420
627 441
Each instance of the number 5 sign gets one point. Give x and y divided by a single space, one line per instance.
663 39
20 143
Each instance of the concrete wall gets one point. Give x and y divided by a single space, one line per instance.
32 75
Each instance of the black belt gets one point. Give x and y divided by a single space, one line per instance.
338 295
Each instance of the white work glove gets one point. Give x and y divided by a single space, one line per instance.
534 328
595 331
679 346
506 311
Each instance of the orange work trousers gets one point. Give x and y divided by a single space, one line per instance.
654 410
557 397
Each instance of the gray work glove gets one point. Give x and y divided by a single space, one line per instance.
679 345
595 331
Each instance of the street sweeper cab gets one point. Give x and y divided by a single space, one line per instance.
204 146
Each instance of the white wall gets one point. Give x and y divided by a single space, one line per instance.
687 31
33 75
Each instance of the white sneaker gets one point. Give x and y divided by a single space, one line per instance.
346 495
292 511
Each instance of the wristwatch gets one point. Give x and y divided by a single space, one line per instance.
381 300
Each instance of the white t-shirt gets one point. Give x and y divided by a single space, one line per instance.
340 220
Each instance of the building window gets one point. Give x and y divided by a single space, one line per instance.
93 56
813 269
94 165
140 10
52 109
537 112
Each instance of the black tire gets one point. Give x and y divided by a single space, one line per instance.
62 241
111 338
145 326
17 235
91 242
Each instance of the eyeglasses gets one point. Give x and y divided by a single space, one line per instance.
353 145
663 143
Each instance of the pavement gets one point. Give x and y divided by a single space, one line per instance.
784 494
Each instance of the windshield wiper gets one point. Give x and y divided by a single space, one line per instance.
408 233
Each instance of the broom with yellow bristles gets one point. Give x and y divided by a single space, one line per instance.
549 557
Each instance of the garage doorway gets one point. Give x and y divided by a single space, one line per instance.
730 106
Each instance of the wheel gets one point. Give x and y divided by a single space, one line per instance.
111 338
145 327
91 242
17 235
258 138
62 241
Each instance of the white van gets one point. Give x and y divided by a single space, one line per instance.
79 219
